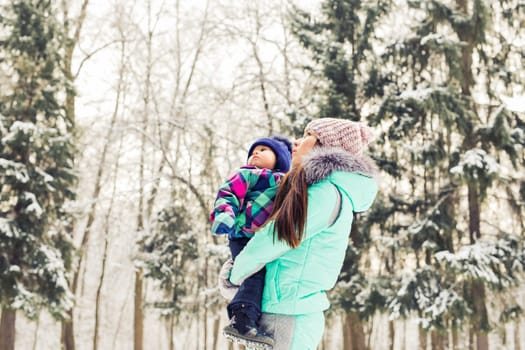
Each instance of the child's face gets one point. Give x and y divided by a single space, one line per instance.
262 157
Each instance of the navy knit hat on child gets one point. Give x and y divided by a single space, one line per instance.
282 148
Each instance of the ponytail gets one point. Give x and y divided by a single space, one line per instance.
290 207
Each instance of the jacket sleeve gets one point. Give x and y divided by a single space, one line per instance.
263 248
229 201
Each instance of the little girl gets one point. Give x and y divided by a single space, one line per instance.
243 204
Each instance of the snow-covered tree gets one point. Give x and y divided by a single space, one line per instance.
340 41
437 83
36 166
453 148
167 254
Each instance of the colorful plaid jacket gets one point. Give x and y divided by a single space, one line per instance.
244 201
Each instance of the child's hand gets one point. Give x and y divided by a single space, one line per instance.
227 289
223 224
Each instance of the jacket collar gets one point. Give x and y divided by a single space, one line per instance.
322 161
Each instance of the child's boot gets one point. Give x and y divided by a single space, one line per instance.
244 330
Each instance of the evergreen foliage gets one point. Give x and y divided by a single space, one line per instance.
450 148
168 254
341 43
36 162
451 136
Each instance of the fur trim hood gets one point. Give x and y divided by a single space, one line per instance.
322 161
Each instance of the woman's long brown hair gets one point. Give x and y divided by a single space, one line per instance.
290 207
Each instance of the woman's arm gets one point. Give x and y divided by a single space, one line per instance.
263 248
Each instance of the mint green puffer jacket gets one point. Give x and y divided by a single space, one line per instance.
296 279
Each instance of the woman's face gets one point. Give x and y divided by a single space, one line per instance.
302 147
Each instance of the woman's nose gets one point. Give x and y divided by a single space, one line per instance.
297 142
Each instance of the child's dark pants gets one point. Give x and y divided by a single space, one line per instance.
249 296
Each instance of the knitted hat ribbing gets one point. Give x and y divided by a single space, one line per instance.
351 136
282 148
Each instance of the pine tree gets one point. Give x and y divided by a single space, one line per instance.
448 138
167 253
440 84
36 162
341 42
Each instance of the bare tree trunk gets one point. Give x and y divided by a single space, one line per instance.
101 280
205 328
105 250
347 341
439 340
404 343
517 345
478 332
391 335
353 333
325 340
175 172
482 341
67 327
455 339
422 339
119 322
216 324
37 327
171 330
481 325
435 341
70 46
205 318
261 76
68 332
177 109
197 310
138 317
286 60
7 329
474 218
369 335
480 320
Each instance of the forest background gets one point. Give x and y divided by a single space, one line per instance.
120 119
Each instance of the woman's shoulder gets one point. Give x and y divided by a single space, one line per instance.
321 163
322 190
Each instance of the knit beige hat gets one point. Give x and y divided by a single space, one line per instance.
351 136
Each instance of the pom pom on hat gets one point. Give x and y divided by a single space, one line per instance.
281 147
351 136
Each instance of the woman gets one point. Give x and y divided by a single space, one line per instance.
303 244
